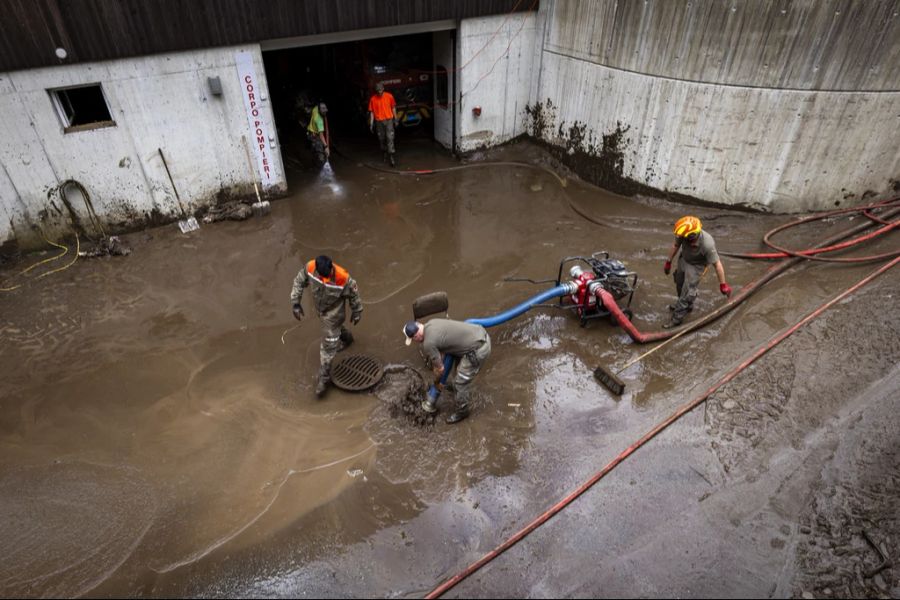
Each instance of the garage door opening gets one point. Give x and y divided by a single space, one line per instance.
343 76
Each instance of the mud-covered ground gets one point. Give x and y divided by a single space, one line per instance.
159 435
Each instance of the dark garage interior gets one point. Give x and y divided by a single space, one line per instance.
343 75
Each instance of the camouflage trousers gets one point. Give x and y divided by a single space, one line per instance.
687 280
468 368
332 328
385 131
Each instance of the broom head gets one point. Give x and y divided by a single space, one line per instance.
609 380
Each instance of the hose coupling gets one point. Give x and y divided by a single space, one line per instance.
593 286
571 287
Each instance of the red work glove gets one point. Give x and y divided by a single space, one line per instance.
725 289
667 267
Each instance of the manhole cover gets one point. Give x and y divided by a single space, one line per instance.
357 372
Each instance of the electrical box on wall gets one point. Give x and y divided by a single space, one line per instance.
215 85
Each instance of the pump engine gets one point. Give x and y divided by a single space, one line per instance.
601 271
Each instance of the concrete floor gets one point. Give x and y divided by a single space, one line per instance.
159 435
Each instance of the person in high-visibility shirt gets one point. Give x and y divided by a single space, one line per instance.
382 118
317 130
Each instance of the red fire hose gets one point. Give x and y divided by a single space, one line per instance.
447 585
609 303
865 210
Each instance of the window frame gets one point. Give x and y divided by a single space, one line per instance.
66 112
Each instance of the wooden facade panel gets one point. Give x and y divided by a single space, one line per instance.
91 30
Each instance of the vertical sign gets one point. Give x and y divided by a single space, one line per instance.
258 136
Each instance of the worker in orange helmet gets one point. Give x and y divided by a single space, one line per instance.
698 252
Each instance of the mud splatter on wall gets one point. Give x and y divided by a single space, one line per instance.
721 117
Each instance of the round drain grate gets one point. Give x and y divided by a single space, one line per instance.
356 372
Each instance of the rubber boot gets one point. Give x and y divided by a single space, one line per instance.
462 411
671 308
323 380
429 404
346 339
672 323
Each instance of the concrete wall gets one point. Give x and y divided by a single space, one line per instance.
496 56
774 104
161 101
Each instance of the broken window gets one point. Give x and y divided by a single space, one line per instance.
82 107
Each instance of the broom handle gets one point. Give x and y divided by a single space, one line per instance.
674 337
250 164
654 349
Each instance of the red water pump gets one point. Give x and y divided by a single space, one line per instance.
603 272
583 298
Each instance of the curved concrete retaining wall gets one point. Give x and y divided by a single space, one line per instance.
775 105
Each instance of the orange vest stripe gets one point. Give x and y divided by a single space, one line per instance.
340 274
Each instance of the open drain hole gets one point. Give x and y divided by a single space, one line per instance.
356 372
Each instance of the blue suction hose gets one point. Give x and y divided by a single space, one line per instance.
560 290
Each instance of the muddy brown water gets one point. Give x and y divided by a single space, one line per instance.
159 435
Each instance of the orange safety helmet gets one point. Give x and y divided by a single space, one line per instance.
686 226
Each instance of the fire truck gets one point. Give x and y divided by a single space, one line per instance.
401 65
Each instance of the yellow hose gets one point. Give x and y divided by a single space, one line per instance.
65 250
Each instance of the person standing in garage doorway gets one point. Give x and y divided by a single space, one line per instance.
382 118
317 131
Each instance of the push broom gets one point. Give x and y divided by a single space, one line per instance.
610 379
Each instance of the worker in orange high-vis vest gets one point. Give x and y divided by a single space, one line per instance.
382 118
332 286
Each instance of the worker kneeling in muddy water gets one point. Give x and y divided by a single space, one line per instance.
332 286
469 344
698 252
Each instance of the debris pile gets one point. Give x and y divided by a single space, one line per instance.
106 246
402 389
233 210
